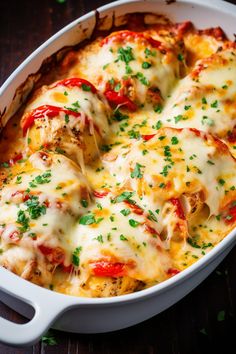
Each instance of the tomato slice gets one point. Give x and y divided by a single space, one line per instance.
108 269
42 112
173 271
54 255
232 136
179 210
76 82
124 36
135 208
229 215
148 137
16 158
151 230
67 269
101 193
116 98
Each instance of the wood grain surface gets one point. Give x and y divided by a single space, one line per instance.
202 322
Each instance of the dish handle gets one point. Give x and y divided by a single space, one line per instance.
47 305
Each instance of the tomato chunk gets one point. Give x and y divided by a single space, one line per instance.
54 255
115 98
67 269
148 137
77 82
229 214
42 112
108 269
232 136
14 159
151 230
173 271
134 207
101 193
179 210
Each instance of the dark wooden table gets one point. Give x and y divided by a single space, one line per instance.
205 320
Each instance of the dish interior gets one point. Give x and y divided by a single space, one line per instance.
118 172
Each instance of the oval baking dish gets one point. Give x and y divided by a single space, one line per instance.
95 315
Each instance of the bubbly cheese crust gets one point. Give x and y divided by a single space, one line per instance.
119 172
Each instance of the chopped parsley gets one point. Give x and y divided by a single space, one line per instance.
180 57
41 179
125 196
149 52
174 140
142 79
75 256
158 125
123 238
158 108
84 203
35 209
152 216
86 87
23 220
208 121
125 212
18 180
214 104
67 119
5 164
137 173
134 134
186 108
99 238
210 162
118 116
126 55
87 219
178 118
146 65
221 181
133 223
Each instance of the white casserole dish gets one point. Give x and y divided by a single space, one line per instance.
85 315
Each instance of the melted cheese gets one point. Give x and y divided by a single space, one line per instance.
81 134
117 192
205 99
102 64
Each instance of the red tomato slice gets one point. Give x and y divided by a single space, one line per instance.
135 208
67 269
100 194
151 230
173 271
108 269
229 215
55 255
148 137
179 210
76 82
16 158
232 136
42 112
115 98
